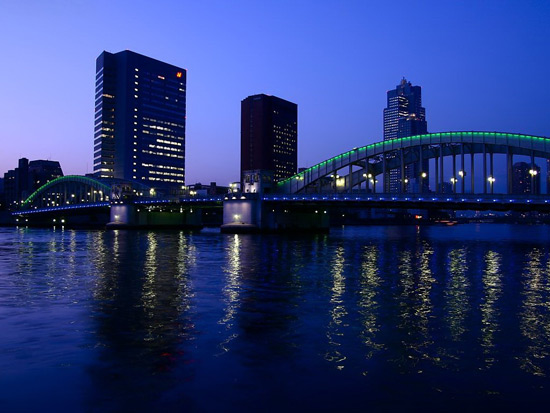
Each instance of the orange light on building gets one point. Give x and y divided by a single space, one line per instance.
179 74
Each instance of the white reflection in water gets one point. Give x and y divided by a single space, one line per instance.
368 304
232 288
187 255
101 259
534 316
116 247
338 310
492 290
148 294
457 294
72 253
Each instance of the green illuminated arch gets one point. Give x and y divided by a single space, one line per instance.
85 180
501 142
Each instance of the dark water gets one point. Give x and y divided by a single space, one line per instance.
362 319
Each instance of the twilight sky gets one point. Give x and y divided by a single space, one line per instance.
482 65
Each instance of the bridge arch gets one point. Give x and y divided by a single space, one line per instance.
68 190
368 163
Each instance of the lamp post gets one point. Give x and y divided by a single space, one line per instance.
374 181
533 173
453 181
491 180
368 177
423 176
335 179
462 175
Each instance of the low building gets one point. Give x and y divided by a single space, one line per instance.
199 189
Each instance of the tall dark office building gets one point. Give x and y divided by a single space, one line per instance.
525 178
269 135
139 131
405 116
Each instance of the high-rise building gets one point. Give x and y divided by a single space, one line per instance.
269 136
139 131
405 116
525 178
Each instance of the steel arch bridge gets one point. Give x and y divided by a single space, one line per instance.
68 191
365 165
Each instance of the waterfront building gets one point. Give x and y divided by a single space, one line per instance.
405 116
269 136
139 131
525 178
22 181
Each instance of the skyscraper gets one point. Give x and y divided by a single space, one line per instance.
404 116
269 135
139 131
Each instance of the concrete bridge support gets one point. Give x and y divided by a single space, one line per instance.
252 214
136 216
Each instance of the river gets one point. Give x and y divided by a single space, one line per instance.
362 319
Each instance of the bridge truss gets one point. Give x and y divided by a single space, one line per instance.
369 167
68 191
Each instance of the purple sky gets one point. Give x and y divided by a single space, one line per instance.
482 65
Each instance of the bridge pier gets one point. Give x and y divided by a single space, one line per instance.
251 214
137 216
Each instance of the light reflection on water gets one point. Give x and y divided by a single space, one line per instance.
139 320
490 311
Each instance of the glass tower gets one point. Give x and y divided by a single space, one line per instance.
404 116
139 130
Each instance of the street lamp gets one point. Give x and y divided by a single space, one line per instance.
373 182
533 172
453 181
491 182
368 177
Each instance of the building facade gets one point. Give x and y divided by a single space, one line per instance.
525 178
405 116
140 113
269 136
22 181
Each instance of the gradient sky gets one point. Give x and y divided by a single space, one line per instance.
482 65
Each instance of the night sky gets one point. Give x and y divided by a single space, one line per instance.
482 65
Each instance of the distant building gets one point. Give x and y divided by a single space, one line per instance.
199 189
22 181
2 201
41 172
140 112
523 175
269 136
405 116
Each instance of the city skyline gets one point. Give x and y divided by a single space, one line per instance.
479 66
